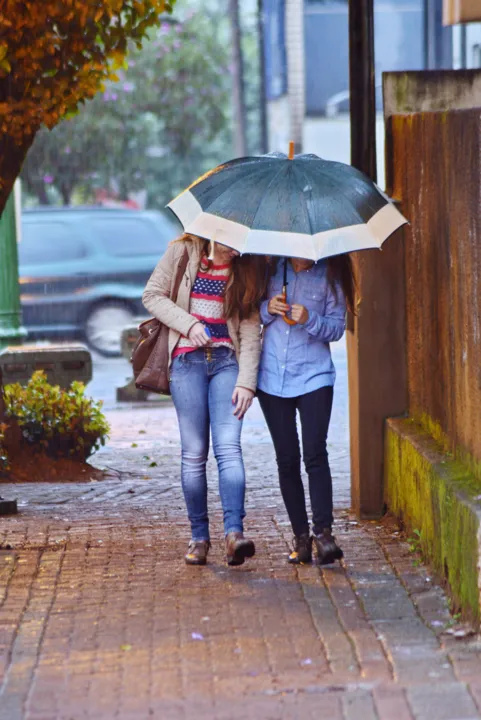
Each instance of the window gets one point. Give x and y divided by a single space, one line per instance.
44 243
129 236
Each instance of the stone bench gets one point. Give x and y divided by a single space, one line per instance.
62 364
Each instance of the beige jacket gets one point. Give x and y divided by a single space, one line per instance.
245 335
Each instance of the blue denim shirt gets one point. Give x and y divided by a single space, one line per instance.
296 359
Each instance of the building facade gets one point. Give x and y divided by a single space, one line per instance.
306 48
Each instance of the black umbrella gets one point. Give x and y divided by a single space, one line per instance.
299 206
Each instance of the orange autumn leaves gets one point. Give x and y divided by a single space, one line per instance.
54 54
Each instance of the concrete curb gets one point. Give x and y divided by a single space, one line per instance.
432 493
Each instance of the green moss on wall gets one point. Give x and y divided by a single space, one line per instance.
402 90
446 445
437 495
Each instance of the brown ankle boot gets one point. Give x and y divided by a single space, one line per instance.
197 552
301 549
327 549
237 548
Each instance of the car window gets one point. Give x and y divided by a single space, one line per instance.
129 237
49 242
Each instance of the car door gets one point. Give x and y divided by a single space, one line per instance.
55 270
132 244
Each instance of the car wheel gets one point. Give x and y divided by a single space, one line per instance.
104 325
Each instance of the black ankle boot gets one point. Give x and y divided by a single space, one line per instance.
301 549
326 547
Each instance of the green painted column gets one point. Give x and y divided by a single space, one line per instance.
11 330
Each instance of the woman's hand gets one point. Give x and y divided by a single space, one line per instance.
242 399
300 314
198 336
278 306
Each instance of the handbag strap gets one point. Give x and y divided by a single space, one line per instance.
181 268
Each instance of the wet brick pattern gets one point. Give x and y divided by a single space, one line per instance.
100 618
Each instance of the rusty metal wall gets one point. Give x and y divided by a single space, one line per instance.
437 174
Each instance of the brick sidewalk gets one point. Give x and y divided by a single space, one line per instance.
100 618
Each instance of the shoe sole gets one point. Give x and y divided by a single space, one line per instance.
299 561
195 562
246 550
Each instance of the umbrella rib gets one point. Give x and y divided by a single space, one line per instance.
304 199
265 193
339 186
311 235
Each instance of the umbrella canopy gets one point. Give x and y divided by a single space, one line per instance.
303 207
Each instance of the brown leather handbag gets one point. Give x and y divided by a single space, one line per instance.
150 355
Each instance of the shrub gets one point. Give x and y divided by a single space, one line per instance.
61 423
4 465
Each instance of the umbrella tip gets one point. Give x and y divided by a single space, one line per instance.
291 150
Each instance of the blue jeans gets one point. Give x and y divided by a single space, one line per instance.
202 383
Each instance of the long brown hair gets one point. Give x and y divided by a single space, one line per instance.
249 282
340 272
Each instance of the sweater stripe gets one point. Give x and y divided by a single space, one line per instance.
207 305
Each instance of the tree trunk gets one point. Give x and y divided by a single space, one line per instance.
37 187
2 400
238 94
66 193
264 136
41 194
11 161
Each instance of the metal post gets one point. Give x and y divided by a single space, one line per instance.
264 140
362 86
11 331
375 342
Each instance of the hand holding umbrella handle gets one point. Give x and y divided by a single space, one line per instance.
286 319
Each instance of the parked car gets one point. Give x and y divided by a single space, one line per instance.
82 271
339 103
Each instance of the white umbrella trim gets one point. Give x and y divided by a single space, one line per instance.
324 244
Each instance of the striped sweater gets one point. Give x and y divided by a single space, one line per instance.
207 305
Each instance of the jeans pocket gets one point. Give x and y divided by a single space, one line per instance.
178 366
229 360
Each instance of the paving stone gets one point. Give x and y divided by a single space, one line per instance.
443 701
391 703
100 618
359 705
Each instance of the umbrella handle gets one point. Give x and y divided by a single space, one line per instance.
286 319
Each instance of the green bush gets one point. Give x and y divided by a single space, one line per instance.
61 423
4 465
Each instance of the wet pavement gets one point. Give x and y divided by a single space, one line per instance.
100 618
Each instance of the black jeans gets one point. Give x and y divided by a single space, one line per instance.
315 413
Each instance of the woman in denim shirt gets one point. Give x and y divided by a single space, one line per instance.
297 373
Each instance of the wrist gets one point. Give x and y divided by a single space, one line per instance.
243 387
306 318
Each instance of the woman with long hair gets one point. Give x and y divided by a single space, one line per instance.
214 348
296 373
